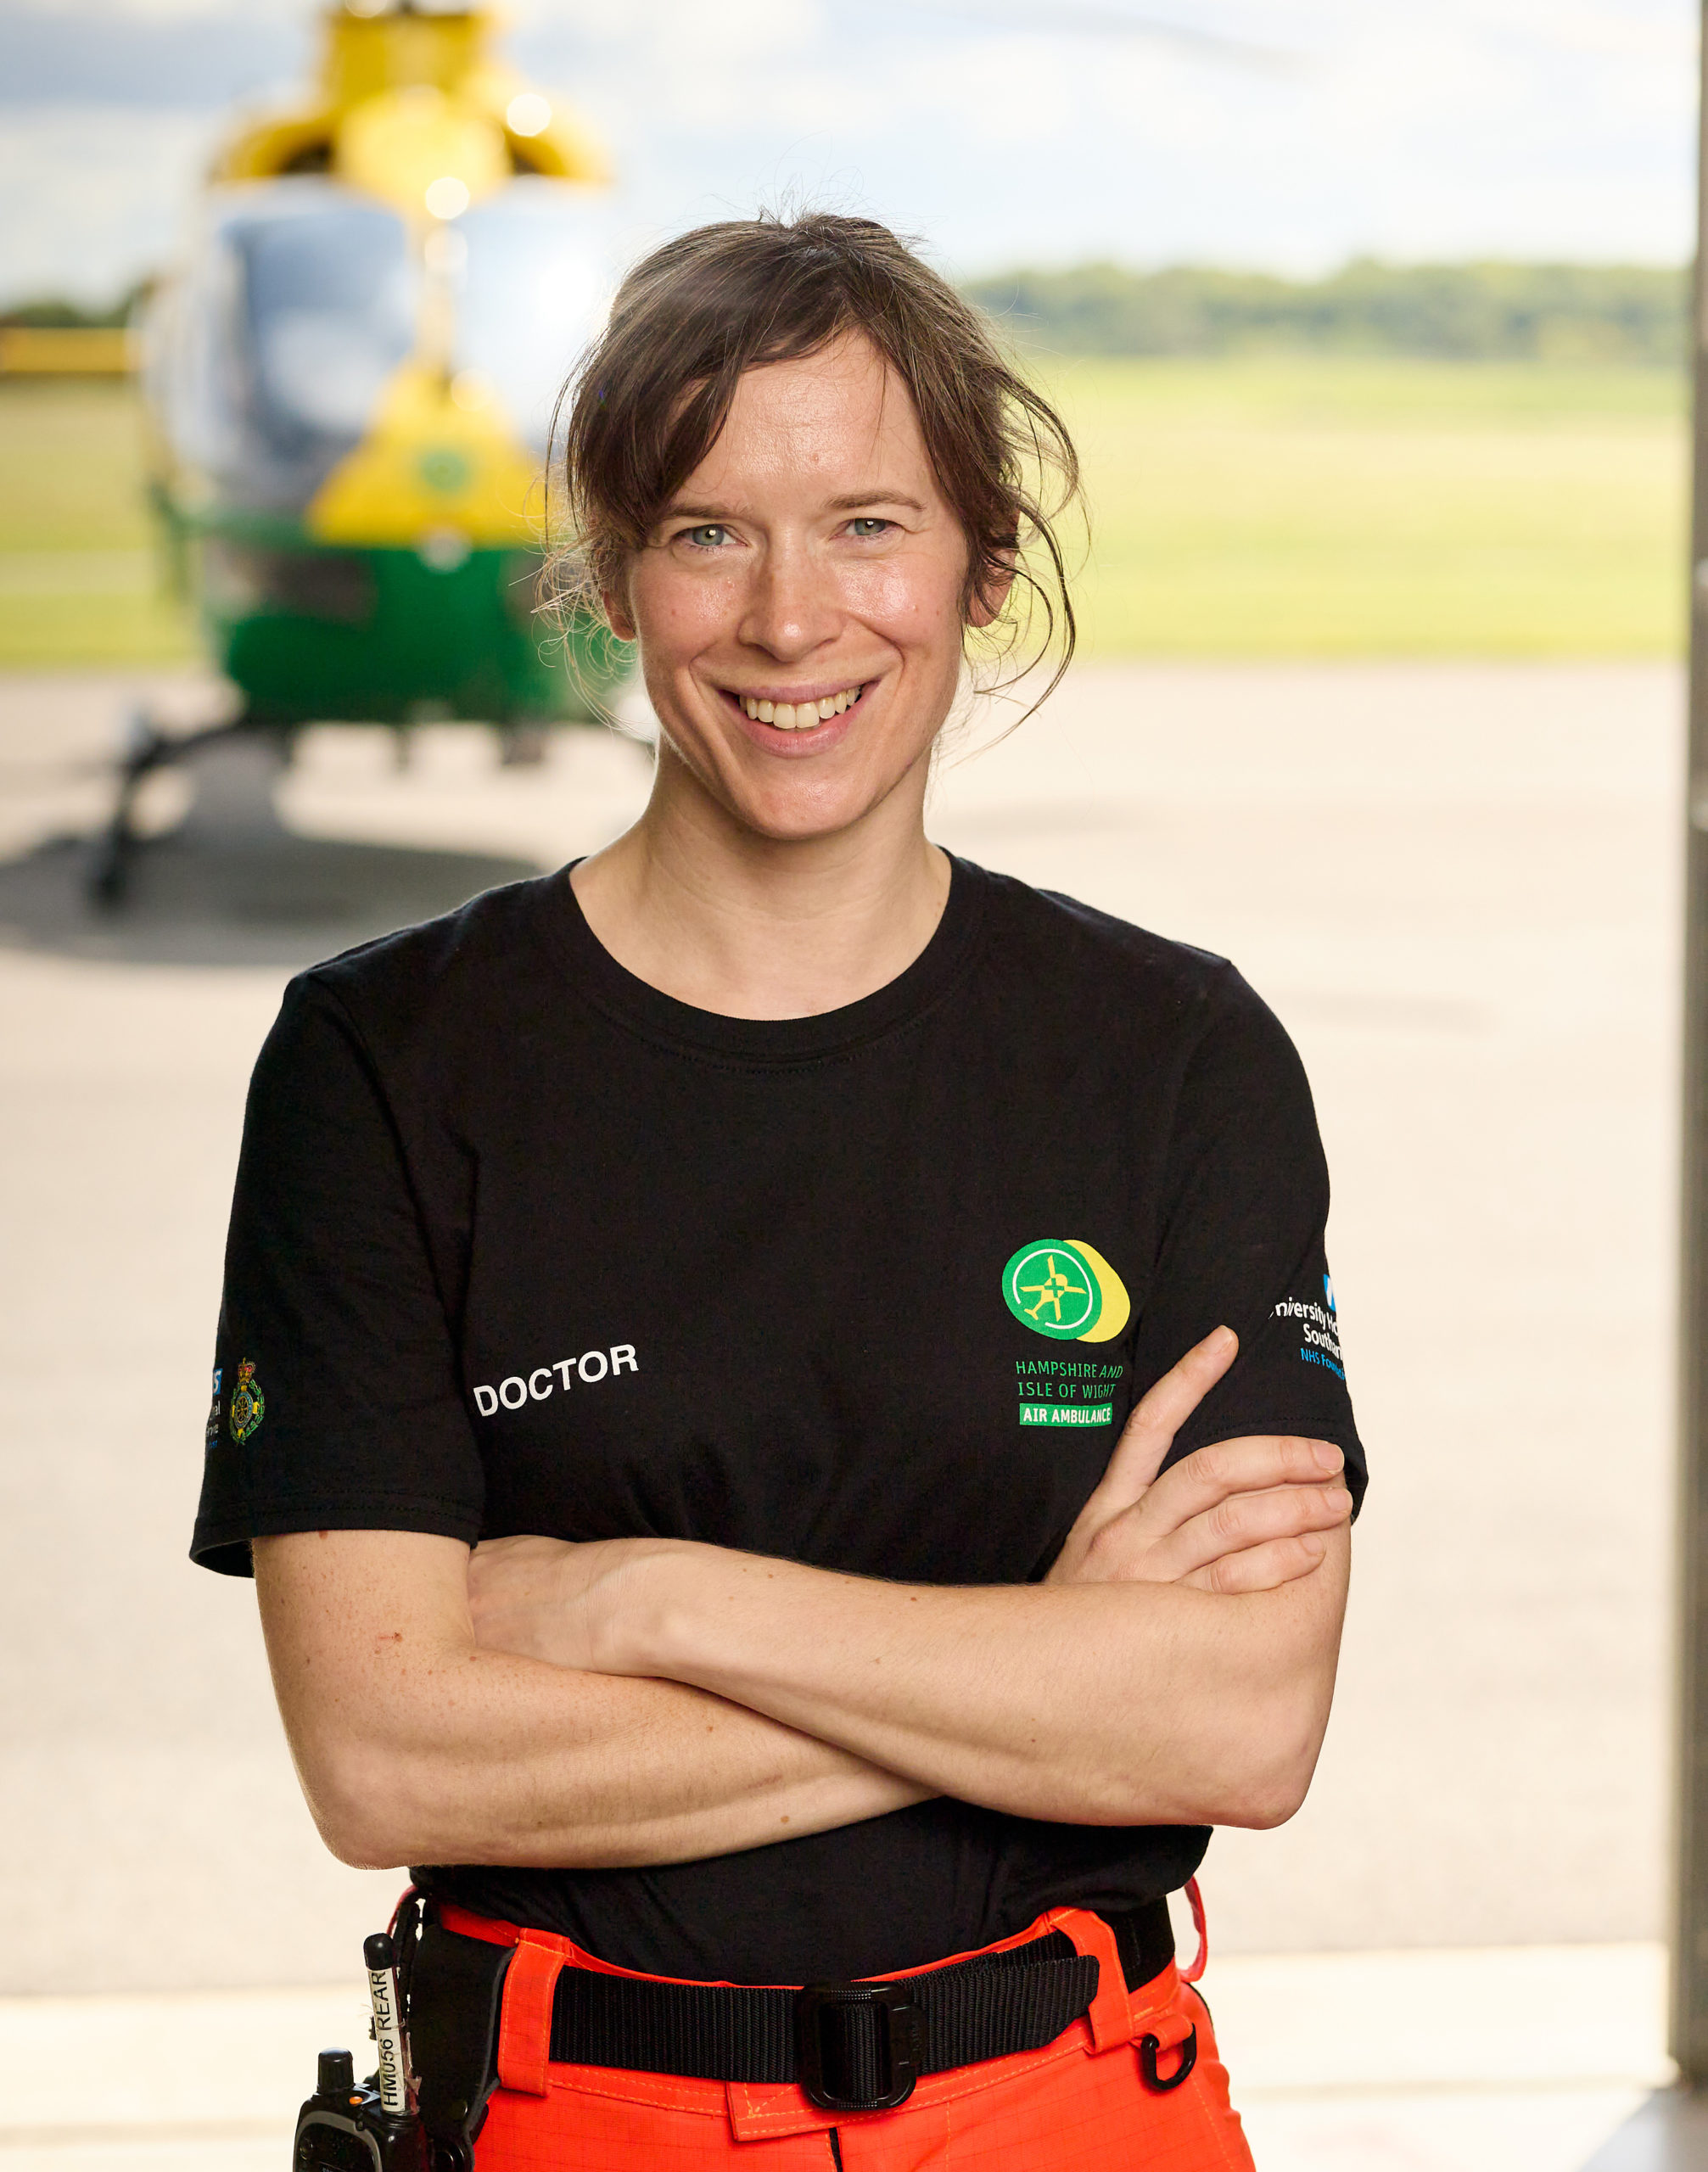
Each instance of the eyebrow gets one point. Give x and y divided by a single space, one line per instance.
849 502
877 497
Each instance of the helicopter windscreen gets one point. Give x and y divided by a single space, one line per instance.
268 353
272 353
537 281
331 303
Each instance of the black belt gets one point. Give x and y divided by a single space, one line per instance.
851 2047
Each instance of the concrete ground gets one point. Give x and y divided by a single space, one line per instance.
1457 885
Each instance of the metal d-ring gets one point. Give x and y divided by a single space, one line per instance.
1149 2047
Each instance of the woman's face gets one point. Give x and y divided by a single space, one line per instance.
797 605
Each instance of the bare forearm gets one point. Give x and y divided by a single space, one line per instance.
428 1750
531 1764
1099 1703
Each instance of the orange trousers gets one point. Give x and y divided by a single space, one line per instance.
1081 2104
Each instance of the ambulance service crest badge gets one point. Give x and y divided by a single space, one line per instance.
249 1405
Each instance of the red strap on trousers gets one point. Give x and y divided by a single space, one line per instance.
1110 2016
1195 1900
524 2031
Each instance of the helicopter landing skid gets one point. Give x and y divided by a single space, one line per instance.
233 792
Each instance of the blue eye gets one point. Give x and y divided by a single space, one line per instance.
867 525
709 536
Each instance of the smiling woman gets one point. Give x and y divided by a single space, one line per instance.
796 457
809 1694
711 307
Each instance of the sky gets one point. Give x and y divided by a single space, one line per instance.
1282 134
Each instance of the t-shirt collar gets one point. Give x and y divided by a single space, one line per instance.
634 1003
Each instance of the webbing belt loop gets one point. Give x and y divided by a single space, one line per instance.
1109 2014
524 2033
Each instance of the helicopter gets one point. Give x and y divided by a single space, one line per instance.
349 379
349 382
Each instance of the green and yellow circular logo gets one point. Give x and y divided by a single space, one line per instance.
443 469
1064 1288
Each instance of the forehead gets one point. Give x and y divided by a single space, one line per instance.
838 419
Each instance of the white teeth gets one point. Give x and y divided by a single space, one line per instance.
800 716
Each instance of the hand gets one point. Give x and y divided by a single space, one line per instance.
546 1598
1242 1515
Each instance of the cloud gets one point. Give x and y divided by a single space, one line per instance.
1002 132
94 196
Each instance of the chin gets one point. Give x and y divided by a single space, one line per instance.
795 802
792 819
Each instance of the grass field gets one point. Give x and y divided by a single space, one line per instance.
1330 507
1307 506
79 584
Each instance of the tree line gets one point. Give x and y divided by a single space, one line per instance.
54 314
1481 311
1489 311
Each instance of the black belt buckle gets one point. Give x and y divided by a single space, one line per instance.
896 2024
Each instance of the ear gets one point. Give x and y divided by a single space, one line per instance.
618 615
989 596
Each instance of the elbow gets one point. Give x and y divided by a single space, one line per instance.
1261 1800
361 1808
364 1844
1258 1796
1264 1779
1254 1770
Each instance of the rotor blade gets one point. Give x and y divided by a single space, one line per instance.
1086 19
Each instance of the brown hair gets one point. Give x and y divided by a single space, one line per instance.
653 392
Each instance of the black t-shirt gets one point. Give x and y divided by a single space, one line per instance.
520 1244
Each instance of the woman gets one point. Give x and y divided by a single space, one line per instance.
684 1232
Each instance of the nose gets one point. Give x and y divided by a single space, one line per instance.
791 607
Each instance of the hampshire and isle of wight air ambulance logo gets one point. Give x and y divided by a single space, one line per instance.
249 1405
1064 1288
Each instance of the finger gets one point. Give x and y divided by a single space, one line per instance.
1128 1546
1127 1550
1248 1519
1263 1568
1256 1464
1159 1414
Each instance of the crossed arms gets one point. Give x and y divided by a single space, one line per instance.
647 1701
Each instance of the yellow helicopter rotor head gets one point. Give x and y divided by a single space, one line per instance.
428 155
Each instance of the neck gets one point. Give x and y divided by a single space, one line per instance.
752 926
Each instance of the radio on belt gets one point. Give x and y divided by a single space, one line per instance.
370 2126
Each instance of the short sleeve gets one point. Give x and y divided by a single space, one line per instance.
337 1401
1245 1210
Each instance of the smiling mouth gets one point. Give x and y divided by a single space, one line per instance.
797 716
